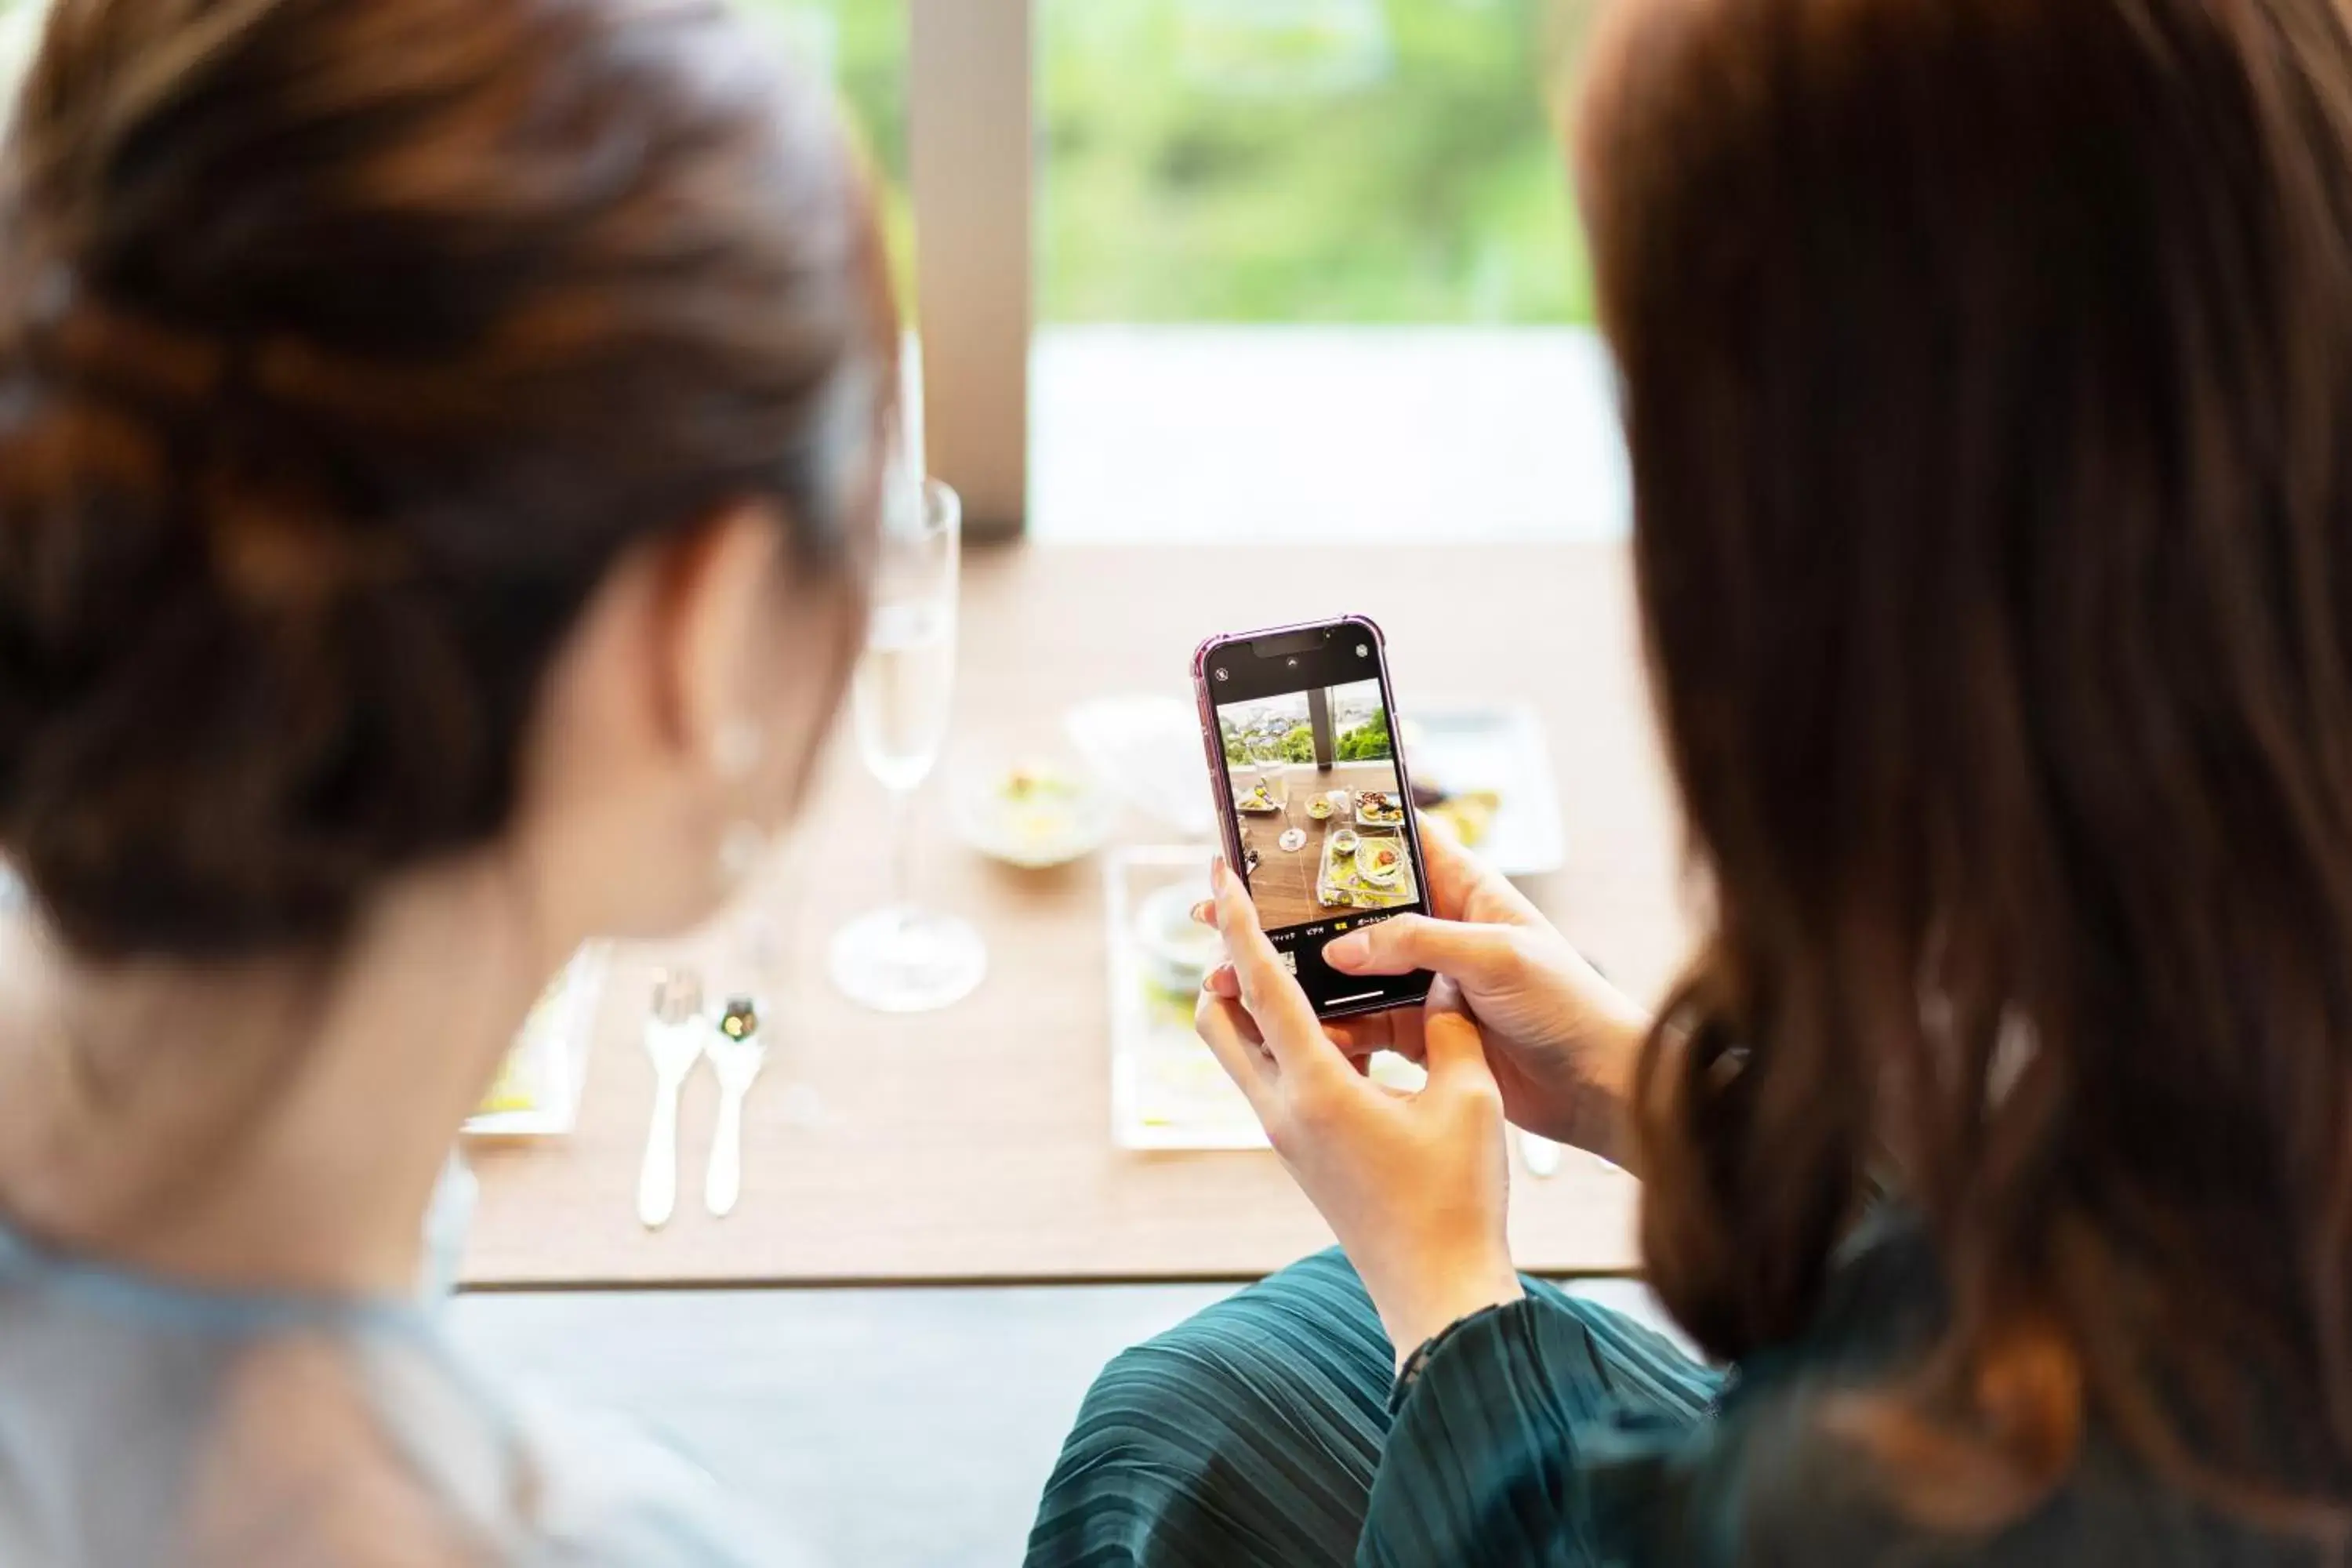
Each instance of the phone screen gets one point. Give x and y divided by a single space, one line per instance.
1317 798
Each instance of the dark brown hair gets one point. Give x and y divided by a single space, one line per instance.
1988 379
343 348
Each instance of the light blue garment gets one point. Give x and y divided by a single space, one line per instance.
146 1426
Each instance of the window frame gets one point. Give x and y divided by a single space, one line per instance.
972 170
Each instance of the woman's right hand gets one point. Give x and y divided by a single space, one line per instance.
1561 1040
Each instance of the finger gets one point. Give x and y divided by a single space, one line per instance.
1223 982
1480 954
1451 873
1230 1038
1398 1030
1251 1034
1205 912
1362 1036
1454 874
1454 1050
1441 846
1271 993
1409 1033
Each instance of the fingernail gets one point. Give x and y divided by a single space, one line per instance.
1349 951
1204 912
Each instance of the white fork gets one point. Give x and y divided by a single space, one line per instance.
674 1039
738 1052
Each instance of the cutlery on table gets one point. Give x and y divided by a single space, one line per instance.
738 1052
674 1039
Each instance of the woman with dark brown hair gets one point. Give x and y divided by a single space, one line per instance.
440 448
1986 370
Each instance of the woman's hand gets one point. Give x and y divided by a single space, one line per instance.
1415 1187
1561 1040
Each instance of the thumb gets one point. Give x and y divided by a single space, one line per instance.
1477 953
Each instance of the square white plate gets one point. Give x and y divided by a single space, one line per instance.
1501 749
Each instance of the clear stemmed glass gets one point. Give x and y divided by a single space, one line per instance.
902 958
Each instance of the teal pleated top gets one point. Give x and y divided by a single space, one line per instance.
1552 1433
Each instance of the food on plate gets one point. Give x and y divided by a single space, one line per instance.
1319 808
1380 806
1471 816
510 1091
1364 871
1032 812
1256 798
517 1086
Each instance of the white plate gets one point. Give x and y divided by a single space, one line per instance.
550 1056
1149 748
1176 951
1167 1090
1502 749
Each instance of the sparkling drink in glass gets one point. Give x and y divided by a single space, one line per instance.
902 958
905 681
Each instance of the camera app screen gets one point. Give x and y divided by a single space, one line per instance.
1321 810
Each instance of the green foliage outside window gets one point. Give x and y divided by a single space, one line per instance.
1273 161
1367 741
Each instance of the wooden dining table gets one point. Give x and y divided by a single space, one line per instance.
975 1144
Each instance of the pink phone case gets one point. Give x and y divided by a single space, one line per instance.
1212 747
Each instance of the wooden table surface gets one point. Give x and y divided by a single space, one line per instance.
973 1144
1284 884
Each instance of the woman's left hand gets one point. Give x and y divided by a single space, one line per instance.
1415 1187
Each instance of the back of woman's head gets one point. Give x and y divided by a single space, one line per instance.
1988 373
344 348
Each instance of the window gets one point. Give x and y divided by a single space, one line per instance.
1310 269
860 45
1281 268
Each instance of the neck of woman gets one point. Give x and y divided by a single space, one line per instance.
273 1126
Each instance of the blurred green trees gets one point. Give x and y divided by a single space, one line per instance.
1269 161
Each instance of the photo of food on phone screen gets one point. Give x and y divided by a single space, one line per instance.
1318 804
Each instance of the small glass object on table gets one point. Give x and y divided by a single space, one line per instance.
902 958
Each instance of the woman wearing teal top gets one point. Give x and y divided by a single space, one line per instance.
1987 372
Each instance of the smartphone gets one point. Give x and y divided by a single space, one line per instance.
1313 798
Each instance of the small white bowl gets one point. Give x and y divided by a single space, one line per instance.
1178 950
1032 812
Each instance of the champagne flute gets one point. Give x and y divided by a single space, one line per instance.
902 958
